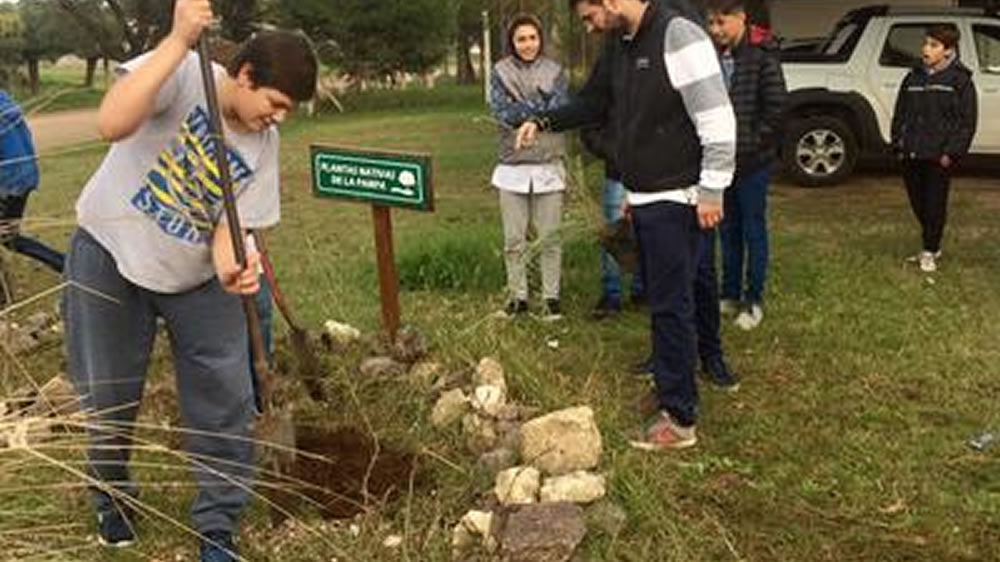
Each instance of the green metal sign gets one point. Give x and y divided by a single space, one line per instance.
393 179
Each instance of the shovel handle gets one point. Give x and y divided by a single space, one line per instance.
272 280
217 139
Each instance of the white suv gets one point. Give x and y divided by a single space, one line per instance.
842 89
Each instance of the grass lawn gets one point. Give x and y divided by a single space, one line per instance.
61 88
846 441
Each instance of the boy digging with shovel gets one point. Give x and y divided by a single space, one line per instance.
153 242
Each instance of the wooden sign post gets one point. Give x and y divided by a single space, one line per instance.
384 179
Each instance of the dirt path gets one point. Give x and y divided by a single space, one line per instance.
63 128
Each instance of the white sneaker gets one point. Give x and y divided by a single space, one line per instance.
928 262
729 307
915 258
750 318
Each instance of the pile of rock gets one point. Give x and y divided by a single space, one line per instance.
388 360
544 472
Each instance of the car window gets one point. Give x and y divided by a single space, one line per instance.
987 39
842 40
902 47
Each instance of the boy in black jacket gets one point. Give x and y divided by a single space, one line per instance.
932 128
757 89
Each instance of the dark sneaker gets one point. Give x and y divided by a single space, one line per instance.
553 311
115 528
663 433
515 308
719 374
217 546
643 368
606 307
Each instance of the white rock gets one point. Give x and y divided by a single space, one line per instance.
562 442
518 485
461 540
449 408
489 371
475 526
341 333
392 541
489 399
578 487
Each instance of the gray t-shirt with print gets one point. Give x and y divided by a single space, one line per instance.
155 200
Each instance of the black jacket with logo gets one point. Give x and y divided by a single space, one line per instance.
758 93
649 121
936 114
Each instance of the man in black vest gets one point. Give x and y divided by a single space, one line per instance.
675 145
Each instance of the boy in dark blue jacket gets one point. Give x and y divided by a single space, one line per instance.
932 128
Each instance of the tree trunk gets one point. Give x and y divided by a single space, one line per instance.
466 73
33 80
88 80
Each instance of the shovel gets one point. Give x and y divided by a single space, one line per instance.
309 368
261 370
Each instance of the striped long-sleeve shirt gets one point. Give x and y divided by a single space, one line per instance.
674 125
693 70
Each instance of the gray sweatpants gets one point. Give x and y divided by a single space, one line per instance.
109 345
544 210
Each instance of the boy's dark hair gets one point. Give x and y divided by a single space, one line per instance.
282 60
948 35
524 19
725 7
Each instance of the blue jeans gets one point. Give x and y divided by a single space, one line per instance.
612 197
110 333
670 240
744 232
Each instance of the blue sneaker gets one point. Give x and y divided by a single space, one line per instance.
217 546
115 527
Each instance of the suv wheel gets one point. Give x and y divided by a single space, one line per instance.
819 150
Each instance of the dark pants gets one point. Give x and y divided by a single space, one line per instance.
110 330
744 238
670 238
706 297
928 184
11 212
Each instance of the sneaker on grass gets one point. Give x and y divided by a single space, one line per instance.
719 375
928 262
750 318
115 528
553 311
514 308
915 258
662 433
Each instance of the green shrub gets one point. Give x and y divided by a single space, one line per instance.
469 260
